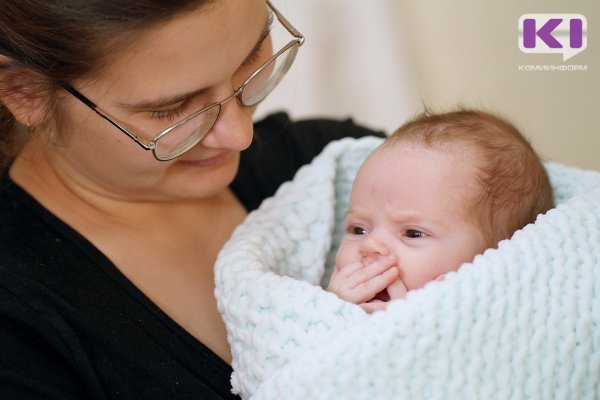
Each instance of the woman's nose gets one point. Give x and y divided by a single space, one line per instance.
233 128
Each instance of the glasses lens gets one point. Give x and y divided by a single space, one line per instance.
263 83
183 137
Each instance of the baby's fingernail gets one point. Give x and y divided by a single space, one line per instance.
390 258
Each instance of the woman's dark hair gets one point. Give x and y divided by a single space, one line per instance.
61 40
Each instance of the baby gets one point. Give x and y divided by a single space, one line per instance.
439 191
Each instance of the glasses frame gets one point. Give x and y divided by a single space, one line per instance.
298 40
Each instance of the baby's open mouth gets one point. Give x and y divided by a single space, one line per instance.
382 296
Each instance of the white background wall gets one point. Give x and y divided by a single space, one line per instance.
377 60
351 65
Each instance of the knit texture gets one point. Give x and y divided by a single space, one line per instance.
520 321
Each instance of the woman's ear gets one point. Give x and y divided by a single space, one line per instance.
21 91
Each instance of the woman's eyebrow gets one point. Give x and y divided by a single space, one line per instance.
162 102
263 35
169 101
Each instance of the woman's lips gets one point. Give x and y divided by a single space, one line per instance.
208 162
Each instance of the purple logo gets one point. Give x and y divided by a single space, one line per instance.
553 33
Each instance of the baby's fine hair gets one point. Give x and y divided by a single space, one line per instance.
514 184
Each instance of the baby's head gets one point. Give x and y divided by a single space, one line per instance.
512 186
440 190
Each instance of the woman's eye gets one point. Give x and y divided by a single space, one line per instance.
252 59
171 114
256 55
413 234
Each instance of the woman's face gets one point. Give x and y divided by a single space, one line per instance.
206 53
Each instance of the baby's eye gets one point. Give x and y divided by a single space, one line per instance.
413 234
356 230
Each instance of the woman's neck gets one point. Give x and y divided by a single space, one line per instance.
79 202
167 249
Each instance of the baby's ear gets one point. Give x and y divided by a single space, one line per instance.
22 92
440 277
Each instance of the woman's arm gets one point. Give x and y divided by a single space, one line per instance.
31 365
280 147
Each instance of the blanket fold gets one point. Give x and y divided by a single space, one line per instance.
520 321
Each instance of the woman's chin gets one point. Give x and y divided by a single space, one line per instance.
195 180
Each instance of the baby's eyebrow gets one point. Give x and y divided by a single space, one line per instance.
349 213
169 101
412 216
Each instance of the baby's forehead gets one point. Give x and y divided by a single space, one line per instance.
427 171
465 154
420 168
450 144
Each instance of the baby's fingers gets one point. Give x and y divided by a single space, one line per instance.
350 269
368 289
375 269
358 283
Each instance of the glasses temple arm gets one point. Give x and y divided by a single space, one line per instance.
95 108
286 23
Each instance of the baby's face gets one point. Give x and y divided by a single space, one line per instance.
411 202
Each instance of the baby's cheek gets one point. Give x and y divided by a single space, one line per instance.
417 279
346 254
341 257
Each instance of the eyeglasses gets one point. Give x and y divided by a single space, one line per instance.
182 136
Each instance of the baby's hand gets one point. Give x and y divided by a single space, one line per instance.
359 283
395 290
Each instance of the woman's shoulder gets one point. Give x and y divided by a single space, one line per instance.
307 137
66 313
280 147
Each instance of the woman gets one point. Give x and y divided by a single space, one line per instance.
129 180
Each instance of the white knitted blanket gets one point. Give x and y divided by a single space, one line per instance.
520 322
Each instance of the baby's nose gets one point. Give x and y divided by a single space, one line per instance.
372 248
